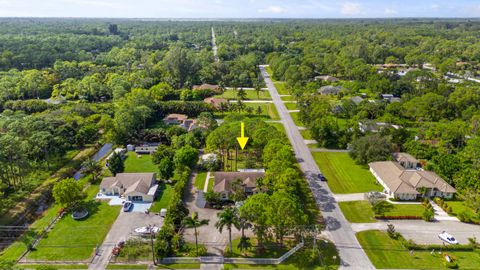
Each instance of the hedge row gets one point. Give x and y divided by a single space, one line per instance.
398 217
410 244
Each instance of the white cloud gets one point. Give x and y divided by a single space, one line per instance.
349 8
389 11
435 6
273 9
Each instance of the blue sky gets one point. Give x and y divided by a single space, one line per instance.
240 8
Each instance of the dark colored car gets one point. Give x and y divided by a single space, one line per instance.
321 177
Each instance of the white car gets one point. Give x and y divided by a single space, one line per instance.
126 206
446 237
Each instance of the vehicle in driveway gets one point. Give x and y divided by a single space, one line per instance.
127 206
446 237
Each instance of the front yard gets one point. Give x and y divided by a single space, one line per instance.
385 253
406 210
139 163
343 175
460 208
75 240
358 211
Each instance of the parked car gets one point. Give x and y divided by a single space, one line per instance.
127 206
321 177
446 237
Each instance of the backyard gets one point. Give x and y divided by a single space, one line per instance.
343 175
385 252
139 163
163 198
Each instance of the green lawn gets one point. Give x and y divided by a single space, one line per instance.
279 126
200 180
306 134
385 253
282 90
159 266
76 239
343 175
143 163
163 198
459 207
288 98
297 121
250 95
358 211
406 210
57 266
291 106
268 110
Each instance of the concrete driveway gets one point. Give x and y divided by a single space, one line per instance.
208 235
121 230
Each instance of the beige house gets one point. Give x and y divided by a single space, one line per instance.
136 187
223 182
216 102
408 184
207 86
174 119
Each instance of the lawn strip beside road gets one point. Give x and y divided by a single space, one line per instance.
200 180
281 88
55 266
358 211
385 253
295 118
459 207
343 175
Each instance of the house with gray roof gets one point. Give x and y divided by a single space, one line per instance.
409 184
136 187
224 182
330 90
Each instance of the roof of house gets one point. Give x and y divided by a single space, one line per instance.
356 99
206 86
140 182
215 101
176 116
400 180
223 180
329 90
404 157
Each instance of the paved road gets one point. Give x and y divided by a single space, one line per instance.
214 46
338 229
121 230
99 155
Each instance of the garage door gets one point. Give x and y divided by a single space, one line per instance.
136 198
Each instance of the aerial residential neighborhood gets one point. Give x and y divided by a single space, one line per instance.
299 135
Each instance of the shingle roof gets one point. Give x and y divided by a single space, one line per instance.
223 180
140 182
400 180
402 157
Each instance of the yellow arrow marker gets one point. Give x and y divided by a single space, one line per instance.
242 140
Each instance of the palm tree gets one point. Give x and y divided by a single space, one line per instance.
228 218
92 167
194 222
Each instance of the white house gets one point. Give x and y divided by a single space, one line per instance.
408 184
136 187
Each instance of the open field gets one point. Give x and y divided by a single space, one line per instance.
76 239
385 252
140 163
343 175
163 198
358 211
250 95
268 109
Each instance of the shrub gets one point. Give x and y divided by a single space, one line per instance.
428 215
451 265
449 210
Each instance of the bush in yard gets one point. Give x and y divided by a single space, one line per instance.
428 214
449 210
381 207
67 193
392 233
464 217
